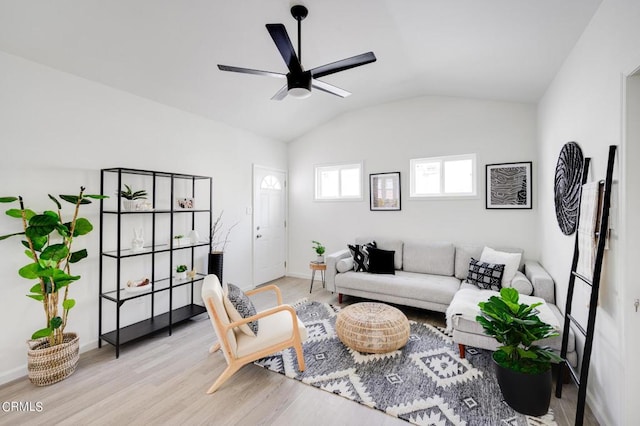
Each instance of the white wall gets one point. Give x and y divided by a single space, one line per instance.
58 131
585 104
384 138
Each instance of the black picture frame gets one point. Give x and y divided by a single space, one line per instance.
384 191
509 185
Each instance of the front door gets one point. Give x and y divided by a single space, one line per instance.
269 224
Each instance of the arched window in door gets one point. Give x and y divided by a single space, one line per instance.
271 182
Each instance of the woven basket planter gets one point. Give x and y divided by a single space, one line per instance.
50 364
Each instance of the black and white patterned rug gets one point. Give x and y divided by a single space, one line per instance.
424 383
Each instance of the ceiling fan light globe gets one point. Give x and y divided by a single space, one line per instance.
299 92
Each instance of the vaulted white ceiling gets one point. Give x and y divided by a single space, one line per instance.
167 50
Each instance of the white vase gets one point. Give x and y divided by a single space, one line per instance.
129 205
194 237
137 243
320 258
181 275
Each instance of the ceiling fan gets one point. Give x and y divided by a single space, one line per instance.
299 81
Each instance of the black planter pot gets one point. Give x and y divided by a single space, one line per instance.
526 393
215 264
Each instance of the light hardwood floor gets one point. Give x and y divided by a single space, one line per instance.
163 380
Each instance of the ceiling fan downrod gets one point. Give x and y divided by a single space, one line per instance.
299 12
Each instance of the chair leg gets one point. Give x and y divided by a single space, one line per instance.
339 297
226 374
214 348
298 346
461 348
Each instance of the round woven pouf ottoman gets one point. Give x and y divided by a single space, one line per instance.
372 327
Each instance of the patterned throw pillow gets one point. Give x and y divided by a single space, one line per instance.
239 306
360 255
487 276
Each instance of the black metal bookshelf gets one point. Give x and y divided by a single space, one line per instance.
112 259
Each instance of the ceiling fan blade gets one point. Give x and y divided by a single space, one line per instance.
250 71
280 37
329 88
344 64
281 94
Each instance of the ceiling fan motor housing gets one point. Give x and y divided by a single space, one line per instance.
299 84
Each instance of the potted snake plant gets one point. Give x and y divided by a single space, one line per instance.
523 369
49 238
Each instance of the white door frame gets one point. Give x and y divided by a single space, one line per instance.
629 232
253 217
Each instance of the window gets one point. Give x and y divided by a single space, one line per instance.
339 182
271 182
451 176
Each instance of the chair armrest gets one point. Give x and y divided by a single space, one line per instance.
543 285
330 274
266 288
266 313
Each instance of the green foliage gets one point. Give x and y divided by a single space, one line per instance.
49 241
318 247
181 268
516 326
130 194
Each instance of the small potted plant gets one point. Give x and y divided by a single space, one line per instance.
181 241
523 369
181 272
131 197
319 249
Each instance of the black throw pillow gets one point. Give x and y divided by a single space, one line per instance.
381 261
487 276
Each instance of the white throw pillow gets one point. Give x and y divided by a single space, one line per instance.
511 261
345 264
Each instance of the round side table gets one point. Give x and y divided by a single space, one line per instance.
315 266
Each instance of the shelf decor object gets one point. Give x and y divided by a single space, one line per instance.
161 220
384 191
509 186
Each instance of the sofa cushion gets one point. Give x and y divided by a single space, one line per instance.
386 244
469 326
381 261
465 253
521 283
487 276
463 257
410 285
344 265
511 262
429 257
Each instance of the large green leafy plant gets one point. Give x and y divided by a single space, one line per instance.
48 239
517 326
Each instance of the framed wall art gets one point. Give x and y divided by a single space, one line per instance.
384 191
509 185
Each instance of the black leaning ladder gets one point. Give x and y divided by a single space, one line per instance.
602 235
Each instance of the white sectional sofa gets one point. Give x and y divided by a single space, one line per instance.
428 275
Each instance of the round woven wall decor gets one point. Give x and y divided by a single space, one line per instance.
567 187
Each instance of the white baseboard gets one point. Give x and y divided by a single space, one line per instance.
21 372
306 276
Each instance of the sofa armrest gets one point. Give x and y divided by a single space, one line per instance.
330 274
543 285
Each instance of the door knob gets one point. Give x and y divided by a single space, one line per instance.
259 236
